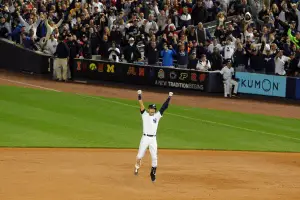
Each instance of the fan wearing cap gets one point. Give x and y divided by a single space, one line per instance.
150 119
131 52
227 72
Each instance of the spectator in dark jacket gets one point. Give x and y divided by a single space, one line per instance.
199 13
216 60
269 61
182 57
202 34
62 53
94 40
152 53
86 50
257 61
193 61
103 48
240 58
131 52
185 18
74 51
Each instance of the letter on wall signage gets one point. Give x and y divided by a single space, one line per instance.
183 76
141 71
161 74
173 75
100 67
84 66
193 77
78 65
93 67
131 71
202 77
110 68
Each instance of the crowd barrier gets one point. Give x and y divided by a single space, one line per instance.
96 70
17 58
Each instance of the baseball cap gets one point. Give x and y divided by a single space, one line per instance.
152 106
132 39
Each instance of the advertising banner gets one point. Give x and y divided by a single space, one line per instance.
98 70
179 78
137 74
261 84
147 75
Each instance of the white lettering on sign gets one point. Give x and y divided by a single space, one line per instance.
179 85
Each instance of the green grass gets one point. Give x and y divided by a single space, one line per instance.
36 118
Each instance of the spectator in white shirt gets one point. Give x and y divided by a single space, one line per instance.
203 64
229 48
98 4
31 25
213 45
51 45
151 25
280 61
249 33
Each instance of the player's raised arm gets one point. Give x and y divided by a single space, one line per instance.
142 107
166 104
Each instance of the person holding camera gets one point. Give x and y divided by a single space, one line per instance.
114 53
131 52
167 55
203 64
152 53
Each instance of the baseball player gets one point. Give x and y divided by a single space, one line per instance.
227 72
150 123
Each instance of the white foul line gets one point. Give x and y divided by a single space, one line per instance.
182 116
28 84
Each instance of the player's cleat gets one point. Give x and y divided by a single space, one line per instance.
153 174
136 171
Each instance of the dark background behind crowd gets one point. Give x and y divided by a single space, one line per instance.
263 37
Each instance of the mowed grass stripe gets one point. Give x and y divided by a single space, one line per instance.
66 120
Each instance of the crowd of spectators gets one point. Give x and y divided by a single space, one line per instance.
263 37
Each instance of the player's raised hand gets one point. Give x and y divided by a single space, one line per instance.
170 94
139 91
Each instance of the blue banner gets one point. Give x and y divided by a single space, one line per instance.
261 84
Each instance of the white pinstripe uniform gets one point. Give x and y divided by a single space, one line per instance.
150 125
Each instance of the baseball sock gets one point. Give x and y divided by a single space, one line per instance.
153 170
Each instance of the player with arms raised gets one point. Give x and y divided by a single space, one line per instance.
150 124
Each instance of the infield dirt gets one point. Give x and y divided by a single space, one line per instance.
92 174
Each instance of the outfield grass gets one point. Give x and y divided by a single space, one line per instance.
36 118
